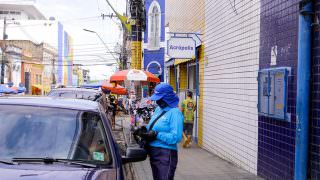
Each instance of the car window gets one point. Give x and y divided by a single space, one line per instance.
38 132
74 94
91 144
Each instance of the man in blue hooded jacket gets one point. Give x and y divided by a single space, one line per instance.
165 134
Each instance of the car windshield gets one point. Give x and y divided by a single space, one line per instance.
74 94
39 132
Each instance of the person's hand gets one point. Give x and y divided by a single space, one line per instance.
150 136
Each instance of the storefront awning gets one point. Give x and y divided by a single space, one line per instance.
169 63
37 86
175 62
180 61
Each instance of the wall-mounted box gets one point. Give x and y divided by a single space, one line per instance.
273 93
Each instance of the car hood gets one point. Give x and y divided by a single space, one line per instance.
56 173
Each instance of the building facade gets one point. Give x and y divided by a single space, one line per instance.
49 60
187 19
154 38
26 66
21 11
230 87
31 25
251 56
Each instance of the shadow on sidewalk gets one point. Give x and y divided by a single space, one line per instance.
198 164
194 163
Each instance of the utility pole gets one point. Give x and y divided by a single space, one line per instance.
3 50
127 29
124 52
138 15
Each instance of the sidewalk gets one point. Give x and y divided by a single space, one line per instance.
197 164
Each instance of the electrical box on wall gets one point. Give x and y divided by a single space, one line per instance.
272 93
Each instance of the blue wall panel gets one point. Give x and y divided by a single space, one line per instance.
60 55
154 62
276 139
314 141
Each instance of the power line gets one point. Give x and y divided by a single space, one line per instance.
88 44
48 23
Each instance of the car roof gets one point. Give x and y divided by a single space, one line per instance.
77 104
76 89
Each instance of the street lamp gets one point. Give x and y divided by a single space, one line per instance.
102 42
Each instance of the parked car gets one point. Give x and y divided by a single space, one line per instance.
76 93
55 138
80 93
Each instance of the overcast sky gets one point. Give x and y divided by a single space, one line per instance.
76 15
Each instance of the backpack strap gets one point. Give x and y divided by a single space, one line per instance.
151 126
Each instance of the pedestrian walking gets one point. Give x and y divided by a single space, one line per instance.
164 132
112 109
188 107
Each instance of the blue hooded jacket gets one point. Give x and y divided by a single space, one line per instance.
170 125
169 128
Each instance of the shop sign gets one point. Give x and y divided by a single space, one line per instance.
181 48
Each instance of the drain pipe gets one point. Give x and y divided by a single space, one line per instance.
303 89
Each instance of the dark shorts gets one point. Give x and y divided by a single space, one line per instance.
188 128
163 163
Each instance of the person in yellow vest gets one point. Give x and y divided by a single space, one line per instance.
188 107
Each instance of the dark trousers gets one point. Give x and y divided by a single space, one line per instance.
188 128
163 163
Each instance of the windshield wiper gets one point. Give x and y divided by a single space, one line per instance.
7 162
52 160
77 162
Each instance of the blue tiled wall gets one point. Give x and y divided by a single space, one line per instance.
276 139
314 145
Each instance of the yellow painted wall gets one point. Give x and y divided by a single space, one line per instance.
185 15
136 55
172 78
183 84
201 77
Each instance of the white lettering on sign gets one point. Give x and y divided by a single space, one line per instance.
181 48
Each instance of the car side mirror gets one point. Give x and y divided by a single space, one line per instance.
134 154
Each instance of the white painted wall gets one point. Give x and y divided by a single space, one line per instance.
230 124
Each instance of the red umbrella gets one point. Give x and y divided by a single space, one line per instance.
134 75
120 90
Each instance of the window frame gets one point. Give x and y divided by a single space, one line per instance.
154 27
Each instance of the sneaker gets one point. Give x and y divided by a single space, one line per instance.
186 143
